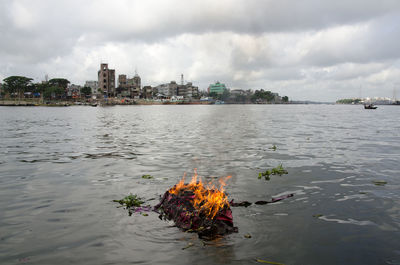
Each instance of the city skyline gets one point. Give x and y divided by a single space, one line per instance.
307 50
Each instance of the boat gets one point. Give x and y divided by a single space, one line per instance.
93 104
370 106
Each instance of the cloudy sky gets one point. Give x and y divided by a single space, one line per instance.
305 49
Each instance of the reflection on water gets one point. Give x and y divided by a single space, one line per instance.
61 168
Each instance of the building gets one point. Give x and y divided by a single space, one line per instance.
74 91
191 91
135 86
123 89
218 88
106 79
129 87
94 86
147 92
168 90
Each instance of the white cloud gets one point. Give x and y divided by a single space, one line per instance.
310 49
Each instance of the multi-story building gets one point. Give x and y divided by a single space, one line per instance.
168 90
106 79
94 86
74 91
135 86
147 92
218 88
129 87
191 91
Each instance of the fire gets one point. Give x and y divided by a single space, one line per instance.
207 198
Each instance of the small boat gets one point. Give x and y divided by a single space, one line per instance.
370 106
93 104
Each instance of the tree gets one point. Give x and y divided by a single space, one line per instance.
16 84
53 92
86 91
60 82
264 96
285 99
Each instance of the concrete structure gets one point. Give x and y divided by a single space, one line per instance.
191 91
123 89
94 86
129 87
147 92
135 86
74 91
106 79
168 90
218 88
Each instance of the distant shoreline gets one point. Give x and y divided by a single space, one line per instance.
64 103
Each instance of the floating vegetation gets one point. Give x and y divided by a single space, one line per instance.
318 215
273 148
133 204
379 182
147 177
279 170
132 200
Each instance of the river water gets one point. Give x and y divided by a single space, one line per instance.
60 169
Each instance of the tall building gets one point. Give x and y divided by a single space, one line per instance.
129 87
106 79
135 85
94 85
218 88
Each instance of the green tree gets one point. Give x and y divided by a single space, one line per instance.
87 91
53 92
60 82
213 95
16 84
225 95
264 96
285 99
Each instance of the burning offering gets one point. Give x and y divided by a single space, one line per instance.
198 207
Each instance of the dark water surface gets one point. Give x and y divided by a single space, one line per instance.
60 169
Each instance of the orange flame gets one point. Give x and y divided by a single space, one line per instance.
208 199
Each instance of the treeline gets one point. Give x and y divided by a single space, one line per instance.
248 96
349 101
21 86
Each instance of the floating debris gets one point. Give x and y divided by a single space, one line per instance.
273 148
273 200
268 262
147 177
247 236
198 208
188 246
379 182
318 215
279 170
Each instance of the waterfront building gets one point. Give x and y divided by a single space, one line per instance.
94 86
123 89
135 86
73 91
147 92
218 88
129 87
191 91
168 90
106 79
